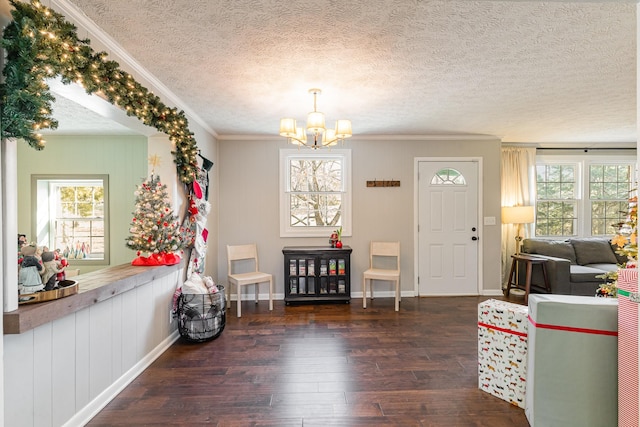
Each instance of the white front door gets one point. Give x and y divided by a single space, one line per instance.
448 229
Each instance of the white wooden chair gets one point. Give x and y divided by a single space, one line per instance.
246 253
388 250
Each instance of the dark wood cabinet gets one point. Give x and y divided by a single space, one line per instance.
317 273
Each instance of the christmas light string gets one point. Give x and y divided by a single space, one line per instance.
41 44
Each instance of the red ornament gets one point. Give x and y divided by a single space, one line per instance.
193 209
339 244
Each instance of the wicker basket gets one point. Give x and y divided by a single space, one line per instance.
201 317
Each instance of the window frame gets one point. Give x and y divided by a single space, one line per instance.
583 165
43 206
288 155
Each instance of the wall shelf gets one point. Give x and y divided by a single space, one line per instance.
377 183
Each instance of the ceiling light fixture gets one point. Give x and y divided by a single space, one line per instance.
322 137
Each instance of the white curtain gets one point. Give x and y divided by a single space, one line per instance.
517 189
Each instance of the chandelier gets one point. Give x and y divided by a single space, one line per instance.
315 126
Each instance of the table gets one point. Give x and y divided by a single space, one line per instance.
529 261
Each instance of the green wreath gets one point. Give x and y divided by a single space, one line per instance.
41 44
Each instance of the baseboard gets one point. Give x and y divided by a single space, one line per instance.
492 293
83 416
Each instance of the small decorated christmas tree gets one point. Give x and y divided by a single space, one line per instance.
155 229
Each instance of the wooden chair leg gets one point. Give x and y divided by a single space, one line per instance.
397 295
364 292
239 302
271 294
257 288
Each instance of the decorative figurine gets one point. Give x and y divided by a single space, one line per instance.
29 280
50 271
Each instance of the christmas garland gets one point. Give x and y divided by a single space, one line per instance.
41 44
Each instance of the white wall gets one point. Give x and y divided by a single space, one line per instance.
65 371
249 206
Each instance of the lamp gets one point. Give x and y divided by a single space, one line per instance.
517 215
322 137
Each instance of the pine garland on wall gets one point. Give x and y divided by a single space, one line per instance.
41 44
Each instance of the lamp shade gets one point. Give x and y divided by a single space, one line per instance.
315 122
343 129
288 128
300 137
329 137
517 214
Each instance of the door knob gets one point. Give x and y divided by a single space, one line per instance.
474 238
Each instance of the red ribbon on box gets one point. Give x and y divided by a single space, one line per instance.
508 331
572 329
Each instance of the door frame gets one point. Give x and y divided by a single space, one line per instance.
416 216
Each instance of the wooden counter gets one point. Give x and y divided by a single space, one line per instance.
93 288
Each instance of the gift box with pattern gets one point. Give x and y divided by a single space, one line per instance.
502 350
572 363
628 377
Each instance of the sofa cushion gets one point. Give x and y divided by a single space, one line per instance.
554 248
603 267
582 273
593 251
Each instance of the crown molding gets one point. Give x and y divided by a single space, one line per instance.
80 19
428 137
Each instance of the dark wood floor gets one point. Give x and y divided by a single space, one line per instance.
323 365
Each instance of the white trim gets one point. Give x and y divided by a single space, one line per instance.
91 409
365 137
285 229
492 293
480 222
9 216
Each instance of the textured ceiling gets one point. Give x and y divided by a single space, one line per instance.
525 71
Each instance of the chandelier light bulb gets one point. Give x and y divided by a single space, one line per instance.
315 125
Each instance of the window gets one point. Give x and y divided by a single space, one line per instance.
448 177
557 200
315 193
72 216
609 187
582 197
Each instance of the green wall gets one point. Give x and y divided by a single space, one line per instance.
123 158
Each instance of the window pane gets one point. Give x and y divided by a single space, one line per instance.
448 176
554 173
315 210
556 218
316 175
611 173
596 190
607 216
567 190
608 197
596 173
567 173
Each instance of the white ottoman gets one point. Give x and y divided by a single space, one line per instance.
572 377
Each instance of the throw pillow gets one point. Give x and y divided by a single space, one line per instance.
554 248
593 251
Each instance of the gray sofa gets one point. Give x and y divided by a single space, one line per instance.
572 264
